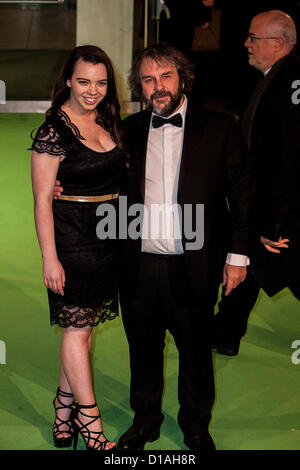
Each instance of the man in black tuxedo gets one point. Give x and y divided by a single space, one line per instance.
196 162
271 124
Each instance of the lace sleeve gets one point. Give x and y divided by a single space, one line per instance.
48 140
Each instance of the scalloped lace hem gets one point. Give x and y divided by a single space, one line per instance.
80 317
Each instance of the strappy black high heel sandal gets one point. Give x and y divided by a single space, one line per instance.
60 441
91 438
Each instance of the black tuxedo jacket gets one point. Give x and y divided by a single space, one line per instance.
215 171
275 147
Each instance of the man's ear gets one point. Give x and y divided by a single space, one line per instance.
68 83
279 44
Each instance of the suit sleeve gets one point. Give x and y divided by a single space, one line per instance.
240 190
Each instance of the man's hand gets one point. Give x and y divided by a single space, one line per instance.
57 190
208 3
274 247
233 276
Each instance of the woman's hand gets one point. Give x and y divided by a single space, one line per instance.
54 276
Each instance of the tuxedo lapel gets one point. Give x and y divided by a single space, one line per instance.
192 132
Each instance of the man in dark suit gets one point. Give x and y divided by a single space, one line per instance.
196 162
271 124
238 80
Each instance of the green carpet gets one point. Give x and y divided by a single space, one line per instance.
257 404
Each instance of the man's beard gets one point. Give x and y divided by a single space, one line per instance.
169 108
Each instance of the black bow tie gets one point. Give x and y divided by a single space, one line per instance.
158 121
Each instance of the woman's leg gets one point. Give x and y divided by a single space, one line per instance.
76 374
64 413
64 384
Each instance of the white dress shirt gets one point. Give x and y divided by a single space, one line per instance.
161 227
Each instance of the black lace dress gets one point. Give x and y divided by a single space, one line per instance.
90 264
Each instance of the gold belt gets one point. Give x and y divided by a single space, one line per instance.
104 197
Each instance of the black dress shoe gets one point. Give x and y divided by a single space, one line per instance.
203 443
226 350
136 437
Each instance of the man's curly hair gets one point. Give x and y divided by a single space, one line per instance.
161 53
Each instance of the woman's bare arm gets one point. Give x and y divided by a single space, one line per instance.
43 173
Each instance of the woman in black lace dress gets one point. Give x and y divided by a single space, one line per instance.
78 144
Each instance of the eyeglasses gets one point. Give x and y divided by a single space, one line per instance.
253 38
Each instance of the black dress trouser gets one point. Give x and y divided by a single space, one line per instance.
163 300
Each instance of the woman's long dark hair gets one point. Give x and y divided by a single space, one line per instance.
109 108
